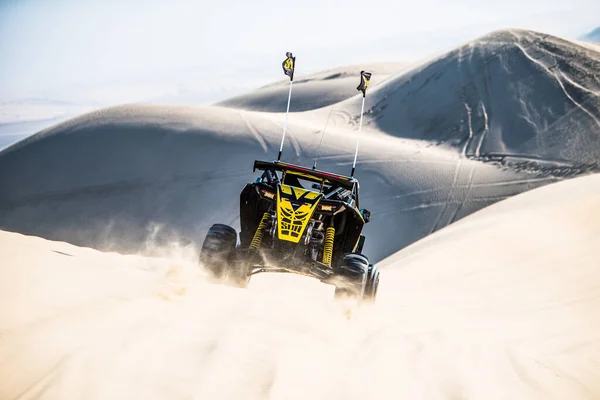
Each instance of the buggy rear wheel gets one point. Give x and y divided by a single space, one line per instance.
372 284
352 272
360 279
217 255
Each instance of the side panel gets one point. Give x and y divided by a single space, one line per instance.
353 231
360 245
252 208
349 227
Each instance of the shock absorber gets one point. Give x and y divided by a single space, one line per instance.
328 246
260 231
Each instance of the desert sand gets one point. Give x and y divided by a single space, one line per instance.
502 304
480 167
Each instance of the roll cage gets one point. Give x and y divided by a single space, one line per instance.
333 186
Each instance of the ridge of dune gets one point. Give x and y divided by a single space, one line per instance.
510 93
502 304
353 70
313 91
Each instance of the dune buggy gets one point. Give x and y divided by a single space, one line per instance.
297 220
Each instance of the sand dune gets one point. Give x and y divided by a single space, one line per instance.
139 172
510 93
115 178
593 36
502 304
486 292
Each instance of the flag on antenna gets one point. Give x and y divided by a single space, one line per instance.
288 65
365 78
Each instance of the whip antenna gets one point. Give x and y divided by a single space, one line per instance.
365 78
289 65
322 135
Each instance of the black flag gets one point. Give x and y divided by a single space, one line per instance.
288 65
365 78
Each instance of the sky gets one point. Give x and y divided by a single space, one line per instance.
112 51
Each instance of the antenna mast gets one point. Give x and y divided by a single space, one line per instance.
365 78
289 65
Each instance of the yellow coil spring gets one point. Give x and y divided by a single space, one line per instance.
328 247
260 231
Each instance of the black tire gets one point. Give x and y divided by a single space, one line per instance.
372 285
217 255
353 275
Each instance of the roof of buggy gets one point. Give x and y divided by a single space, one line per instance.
341 180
